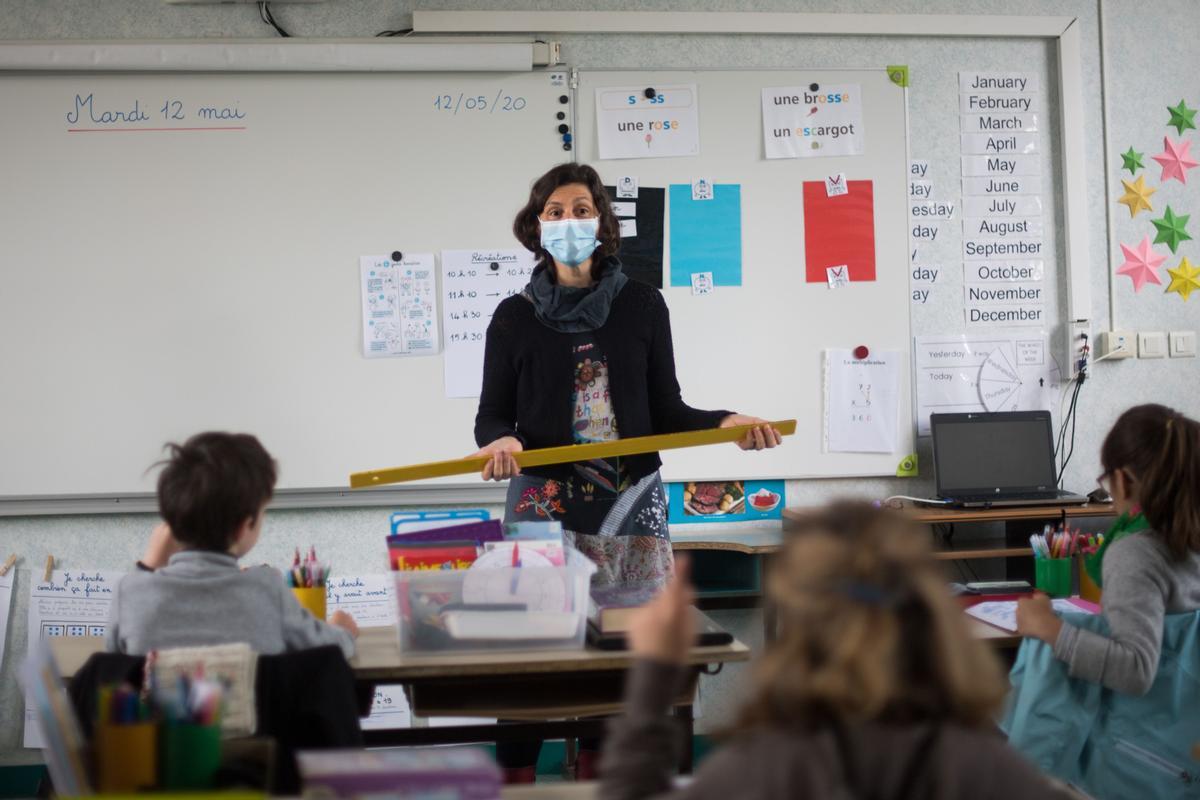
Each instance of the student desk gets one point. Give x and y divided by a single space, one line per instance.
533 687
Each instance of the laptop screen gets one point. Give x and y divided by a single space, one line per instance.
979 453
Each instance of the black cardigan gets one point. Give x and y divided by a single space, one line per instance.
527 378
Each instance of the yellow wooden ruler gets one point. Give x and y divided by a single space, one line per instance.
564 454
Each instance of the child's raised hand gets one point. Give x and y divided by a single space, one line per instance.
1036 618
161 547
665 628
344 621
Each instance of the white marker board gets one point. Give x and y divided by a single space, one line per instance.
158 283
758 348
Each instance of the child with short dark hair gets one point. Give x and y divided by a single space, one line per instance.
1150 563
873 688
189 590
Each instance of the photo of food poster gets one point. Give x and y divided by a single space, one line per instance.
724 501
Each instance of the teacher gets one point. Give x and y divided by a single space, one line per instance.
583 354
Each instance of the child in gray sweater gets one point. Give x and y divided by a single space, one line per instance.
189 590
1150 563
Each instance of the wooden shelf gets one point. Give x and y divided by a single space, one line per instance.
984 550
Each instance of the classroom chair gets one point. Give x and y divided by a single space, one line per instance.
304 700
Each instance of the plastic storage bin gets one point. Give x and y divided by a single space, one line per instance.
499 608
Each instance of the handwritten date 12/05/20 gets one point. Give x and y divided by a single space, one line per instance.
478 102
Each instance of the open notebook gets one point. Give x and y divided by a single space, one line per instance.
1003 613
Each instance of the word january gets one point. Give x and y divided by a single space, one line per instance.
1009 84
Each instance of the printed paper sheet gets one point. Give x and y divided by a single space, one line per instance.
862 401
73 603
399 304
631 125
371 601
960 374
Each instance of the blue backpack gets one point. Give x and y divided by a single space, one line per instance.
1111 745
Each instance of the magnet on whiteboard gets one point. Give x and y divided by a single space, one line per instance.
397 255
561 115
563 128
650 93
861 352
562 98
813 87
494 266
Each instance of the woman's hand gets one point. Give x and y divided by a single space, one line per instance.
161 547
1037 620
665 628
762 437
501 465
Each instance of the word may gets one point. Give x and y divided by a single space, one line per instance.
171 110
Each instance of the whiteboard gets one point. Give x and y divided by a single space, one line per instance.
758 349
158 283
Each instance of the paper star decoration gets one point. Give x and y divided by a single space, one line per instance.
1137 195
1182 117
1171 229
1140 264
1133 160
1175 159
1184 278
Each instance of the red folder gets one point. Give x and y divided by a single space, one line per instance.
839 230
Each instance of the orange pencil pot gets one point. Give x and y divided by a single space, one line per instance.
313 599
126 757
1088 589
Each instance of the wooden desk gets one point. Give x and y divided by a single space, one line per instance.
567 790
534 687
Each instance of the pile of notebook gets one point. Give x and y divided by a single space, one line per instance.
447 773
612 609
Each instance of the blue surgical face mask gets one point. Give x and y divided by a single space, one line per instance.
570 241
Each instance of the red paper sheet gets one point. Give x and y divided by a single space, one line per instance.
839 230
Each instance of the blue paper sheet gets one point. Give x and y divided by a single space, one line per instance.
706 235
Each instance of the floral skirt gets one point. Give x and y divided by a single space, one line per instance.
619 524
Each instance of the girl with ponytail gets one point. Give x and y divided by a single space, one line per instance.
1150 563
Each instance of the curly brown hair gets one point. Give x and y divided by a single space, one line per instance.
528 229
867 631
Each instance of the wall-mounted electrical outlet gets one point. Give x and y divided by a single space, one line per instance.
1116 344
1079 347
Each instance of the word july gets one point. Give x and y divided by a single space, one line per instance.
88 109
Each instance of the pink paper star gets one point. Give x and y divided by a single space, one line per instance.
1140 264
1174 159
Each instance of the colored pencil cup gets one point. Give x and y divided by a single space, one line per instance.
1053 576
126 757
190 755
313 599
1088 589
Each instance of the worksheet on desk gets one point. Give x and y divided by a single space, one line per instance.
370 599
73 602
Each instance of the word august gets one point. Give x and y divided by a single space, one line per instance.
87 109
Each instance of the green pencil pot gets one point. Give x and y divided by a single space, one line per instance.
190 755
1053 576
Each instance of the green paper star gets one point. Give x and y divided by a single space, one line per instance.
1170 229
1133 160
1182 117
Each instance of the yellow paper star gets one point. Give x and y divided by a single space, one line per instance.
1137 195
1184 278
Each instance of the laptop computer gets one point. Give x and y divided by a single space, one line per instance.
997 459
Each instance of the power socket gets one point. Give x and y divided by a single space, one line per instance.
1115 344
1079 347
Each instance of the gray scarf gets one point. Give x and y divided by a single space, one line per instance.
568 309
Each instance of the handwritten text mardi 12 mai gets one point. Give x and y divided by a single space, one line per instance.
88 109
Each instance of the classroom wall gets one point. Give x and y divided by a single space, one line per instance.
1152 62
